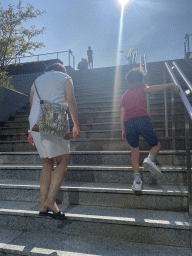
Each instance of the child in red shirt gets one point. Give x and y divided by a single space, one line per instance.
135 122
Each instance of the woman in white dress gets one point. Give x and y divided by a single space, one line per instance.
56 86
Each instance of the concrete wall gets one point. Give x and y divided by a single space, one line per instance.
23 82
10 102
188 58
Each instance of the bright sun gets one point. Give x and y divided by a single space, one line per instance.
123 2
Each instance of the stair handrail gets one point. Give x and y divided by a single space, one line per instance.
188 113
186 80
181 93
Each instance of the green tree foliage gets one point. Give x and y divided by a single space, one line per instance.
15 40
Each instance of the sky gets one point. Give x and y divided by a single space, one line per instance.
153 27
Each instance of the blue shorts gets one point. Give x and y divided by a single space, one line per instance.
140 126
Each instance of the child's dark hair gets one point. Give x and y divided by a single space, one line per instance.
134 76
57 67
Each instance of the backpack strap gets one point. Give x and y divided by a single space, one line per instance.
37 91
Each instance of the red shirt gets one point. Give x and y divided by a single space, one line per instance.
133 100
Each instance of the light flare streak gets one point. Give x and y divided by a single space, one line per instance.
116 92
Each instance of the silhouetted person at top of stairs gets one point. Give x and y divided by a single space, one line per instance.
135 122
90 57
83 64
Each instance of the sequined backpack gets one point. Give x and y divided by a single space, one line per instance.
53 118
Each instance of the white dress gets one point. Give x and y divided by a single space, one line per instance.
50 87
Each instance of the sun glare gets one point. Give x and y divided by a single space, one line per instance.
123 2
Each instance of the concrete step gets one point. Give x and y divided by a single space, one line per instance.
164 197
157 124
154 101
114 144
103 120
94 109
22 243
133 225
22 134
105 95
85 117
121 158
111 103
89 115
172 175
114 99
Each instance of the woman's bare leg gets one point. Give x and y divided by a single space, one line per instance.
57 178
45 180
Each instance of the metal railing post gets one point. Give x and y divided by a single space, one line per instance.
166 114
188 113
173 119
74 62
165 107
185 51
69 58
145 64
187 143
143 67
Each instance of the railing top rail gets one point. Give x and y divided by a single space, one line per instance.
181 93
70 54
42 54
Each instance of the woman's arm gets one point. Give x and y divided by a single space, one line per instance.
31 98
122 123
70 100
157 88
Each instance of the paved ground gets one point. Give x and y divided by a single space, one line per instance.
21 243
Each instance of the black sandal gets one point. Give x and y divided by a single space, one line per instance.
45 213
59 216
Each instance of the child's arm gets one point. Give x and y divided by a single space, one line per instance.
122 123
157 88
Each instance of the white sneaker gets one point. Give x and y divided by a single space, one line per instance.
137 186
152 168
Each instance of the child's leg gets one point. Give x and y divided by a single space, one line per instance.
148 133
135 154
137 184
149 164
132 137
155 150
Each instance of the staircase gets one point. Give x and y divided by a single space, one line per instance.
104 215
